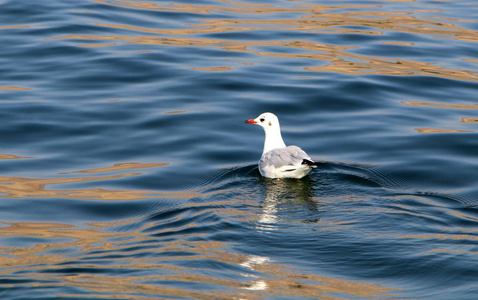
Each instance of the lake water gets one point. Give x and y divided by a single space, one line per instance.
127 171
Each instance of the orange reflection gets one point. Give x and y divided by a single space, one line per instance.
20 187
441 105
11 156
174 112
14 27
98 45
214 69
13 88
323 19
313 18
469 120
340 61
122 166
96 247
249 8
433 130
470 60
47 250
448 106
399 43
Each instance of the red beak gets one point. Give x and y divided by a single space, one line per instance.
250 121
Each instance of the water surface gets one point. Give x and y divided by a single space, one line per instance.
127 171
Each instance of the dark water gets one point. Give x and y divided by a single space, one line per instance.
127 171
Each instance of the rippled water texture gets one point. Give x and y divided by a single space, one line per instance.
127 171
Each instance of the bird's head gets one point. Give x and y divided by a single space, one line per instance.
266 120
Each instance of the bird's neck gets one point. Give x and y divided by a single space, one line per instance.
273 140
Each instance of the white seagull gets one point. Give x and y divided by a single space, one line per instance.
279 160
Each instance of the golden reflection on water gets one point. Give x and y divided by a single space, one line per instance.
435 130
84 248
11 156
44 254
174 112
447 106
340 61
469 120
321 19
13 88
97 45
122 166
14 27
214 69
21 187
441 105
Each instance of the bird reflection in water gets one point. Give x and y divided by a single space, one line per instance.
279 193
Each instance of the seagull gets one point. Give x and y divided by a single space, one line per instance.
279 160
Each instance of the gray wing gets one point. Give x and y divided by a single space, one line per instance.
288 156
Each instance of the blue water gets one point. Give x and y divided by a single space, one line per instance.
127 171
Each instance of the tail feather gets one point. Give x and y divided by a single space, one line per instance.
310 163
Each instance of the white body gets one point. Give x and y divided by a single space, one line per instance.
279 160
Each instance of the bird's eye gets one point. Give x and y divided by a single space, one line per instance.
262 119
